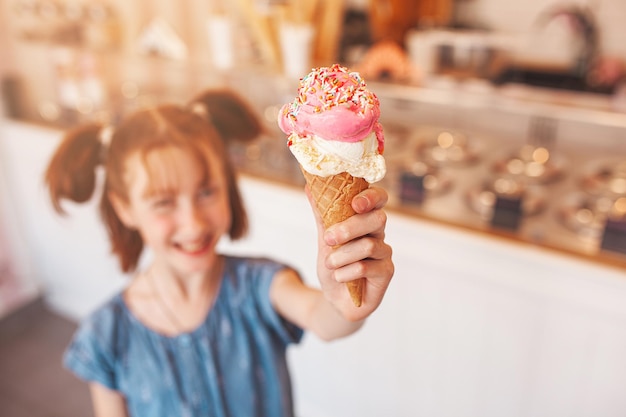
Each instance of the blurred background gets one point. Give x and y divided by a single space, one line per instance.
505 128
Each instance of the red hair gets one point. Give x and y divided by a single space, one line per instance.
71 173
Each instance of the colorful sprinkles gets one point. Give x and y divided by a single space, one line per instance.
331 86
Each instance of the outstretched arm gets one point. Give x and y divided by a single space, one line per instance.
352 249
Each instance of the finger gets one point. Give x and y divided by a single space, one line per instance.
370 199
378 273
371 223
355 251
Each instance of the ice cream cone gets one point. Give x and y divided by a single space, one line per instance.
333 197
334 132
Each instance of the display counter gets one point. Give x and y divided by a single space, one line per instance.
449 147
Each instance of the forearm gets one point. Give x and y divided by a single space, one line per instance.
328 323
308 308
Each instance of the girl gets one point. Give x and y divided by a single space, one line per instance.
196 332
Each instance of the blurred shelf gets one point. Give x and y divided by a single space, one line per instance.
523 100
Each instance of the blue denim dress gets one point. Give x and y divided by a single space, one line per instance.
233 365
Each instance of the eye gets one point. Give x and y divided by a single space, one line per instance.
162 203
207 191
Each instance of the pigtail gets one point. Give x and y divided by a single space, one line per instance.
71 173
232 117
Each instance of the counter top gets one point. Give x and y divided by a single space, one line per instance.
601 109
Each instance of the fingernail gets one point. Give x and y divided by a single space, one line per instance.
330 239
361 202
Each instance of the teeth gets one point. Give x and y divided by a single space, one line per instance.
192 247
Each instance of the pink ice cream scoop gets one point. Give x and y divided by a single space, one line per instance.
333 104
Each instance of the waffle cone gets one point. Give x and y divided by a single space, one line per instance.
333 197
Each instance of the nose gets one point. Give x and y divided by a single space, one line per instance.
192 217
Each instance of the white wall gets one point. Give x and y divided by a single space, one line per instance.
67 256
18 283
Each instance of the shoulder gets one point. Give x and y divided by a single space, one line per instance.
109 311
249 280
253 267
104 323
97 345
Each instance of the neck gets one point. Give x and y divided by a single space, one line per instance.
187 287
179 303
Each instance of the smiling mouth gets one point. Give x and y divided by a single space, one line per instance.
194 248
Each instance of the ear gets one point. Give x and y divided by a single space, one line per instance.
122 210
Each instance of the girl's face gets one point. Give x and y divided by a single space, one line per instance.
179 211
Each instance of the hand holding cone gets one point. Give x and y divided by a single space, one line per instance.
333 197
